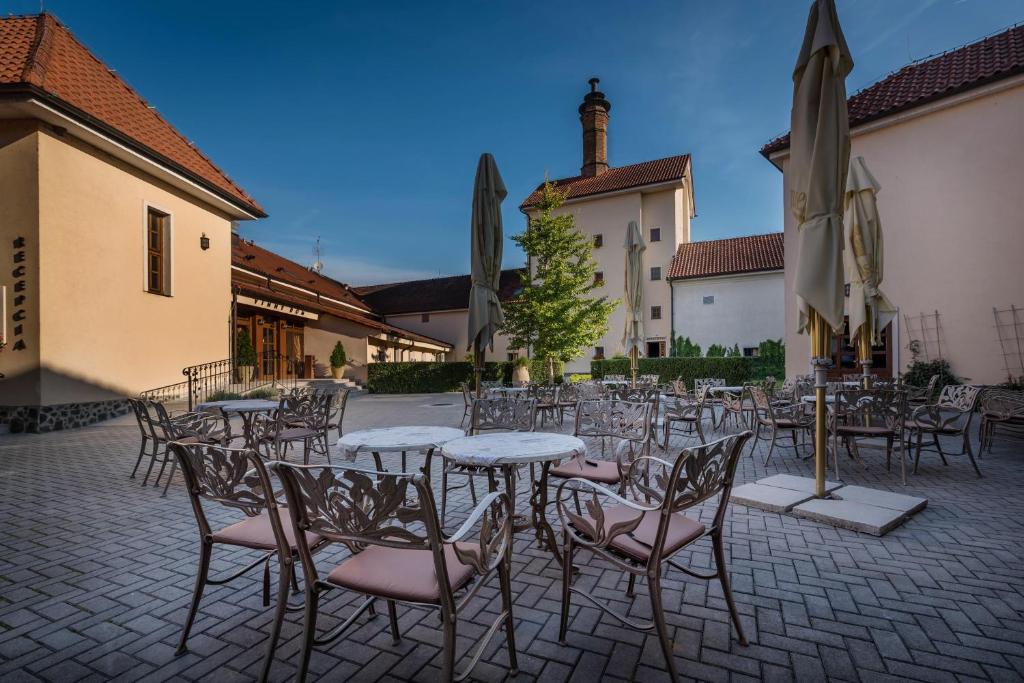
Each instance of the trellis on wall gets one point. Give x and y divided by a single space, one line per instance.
1010 332
924 336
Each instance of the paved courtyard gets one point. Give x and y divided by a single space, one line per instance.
96 573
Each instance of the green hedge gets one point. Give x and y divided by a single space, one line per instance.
733 370
428 378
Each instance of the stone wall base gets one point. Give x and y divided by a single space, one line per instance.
38 419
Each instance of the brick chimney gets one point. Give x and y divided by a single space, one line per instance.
594 117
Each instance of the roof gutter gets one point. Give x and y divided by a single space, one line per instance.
67 115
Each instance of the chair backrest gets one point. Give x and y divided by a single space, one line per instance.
708 381
831 388
1002 404
568 393
200 427
626 420
361 508
962 397
138 406
545 394
589 390
615 378
679 388
311 408
467 394
503 413
490 384
636 395
647 380
871 408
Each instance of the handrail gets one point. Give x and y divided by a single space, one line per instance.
225 375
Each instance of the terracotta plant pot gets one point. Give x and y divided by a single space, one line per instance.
245 373
337 373
520 376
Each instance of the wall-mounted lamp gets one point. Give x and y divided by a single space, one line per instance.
204 242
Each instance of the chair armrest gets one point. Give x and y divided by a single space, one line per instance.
493 515
933 417
596 535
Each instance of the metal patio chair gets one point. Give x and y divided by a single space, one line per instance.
1001 411
488 414
546 396
299 419
950 416
642 539
399 552
689 411
920 395
869 414
235 478
794 418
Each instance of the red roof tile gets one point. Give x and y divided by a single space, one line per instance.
245 254
620 178
990 59
753 254
38 52
436 294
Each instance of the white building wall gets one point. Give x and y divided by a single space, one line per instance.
747 309
449 326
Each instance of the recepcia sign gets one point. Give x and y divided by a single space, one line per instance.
19 268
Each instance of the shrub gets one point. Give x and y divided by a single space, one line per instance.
682 347
577 377
716 351
920 372
245 354
224 396
733 370
264 392
423 378
338 358
771 360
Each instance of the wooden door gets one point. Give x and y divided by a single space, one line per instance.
844 354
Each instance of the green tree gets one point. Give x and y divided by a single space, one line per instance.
555 315
716 351
338 358
245 354
734 352
684 348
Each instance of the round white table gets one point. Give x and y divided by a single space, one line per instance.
505 451
422 439
722 390
245 408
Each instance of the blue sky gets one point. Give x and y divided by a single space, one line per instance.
362 122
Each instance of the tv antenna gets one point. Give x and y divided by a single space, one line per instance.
318 265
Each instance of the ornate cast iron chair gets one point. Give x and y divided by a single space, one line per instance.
159 427
399 553
869 413
615 378
498 414
299 419
1000 411
647 381
467 403
236 478
195 427
689 411
920 395
734 407
641 540
627 424
950 416
546 396
775 417
650 395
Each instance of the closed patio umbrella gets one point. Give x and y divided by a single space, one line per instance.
819 159
633 337
868 308
485 316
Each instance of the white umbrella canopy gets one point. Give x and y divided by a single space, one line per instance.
633 336
819 158
485 315
863 254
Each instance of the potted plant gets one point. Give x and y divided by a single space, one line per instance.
521 372
338 360
245 356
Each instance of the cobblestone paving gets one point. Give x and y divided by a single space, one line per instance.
96 573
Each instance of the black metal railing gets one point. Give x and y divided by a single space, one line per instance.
224 378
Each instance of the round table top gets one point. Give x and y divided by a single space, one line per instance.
830 398
512 448
731 390
509 390
615 381
245 405
395 439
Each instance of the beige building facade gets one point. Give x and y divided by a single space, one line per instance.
951 206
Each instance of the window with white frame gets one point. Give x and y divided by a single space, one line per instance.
655 234
655 272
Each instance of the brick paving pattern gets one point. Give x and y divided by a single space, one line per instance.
96 574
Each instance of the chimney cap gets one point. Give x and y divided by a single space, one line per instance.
595 97
593 83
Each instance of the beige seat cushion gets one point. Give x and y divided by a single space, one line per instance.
256 532
681 530
860 430
400 573
602 471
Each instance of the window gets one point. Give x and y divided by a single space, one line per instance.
750 351
708 300
655 349
425 318
158 252
655 234
598 352
599 278
655 312
598 241
512 355
656 272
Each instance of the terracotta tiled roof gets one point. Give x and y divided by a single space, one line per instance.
621 178
437 294
249 256
735 255
39 55
990 59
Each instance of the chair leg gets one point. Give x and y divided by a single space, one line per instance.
309 631
444 492
917 452
167 484
658 616
510 624
563 623
718 546
448 647
771 448
163 465
205 551
307 446
631 588
396 637
138 461
970 454
287 571
938 447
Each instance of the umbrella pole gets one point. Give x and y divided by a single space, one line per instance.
820 334
864 355
633 364
478 365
